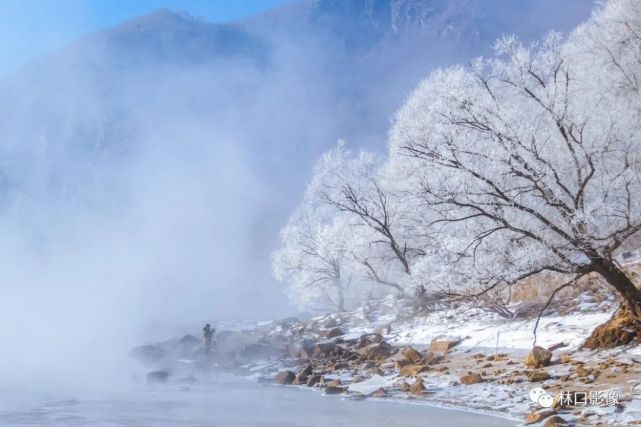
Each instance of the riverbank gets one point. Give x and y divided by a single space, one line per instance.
221 400
459 357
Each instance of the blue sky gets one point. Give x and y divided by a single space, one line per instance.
29 28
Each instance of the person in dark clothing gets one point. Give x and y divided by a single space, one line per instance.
208 335
419 298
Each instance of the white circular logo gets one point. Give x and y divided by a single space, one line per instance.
535 393
546 400
540 396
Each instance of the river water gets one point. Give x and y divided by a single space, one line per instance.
223 401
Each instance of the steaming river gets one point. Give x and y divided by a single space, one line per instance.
226 401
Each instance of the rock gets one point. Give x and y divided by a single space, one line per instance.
285 377
430 358
443 344
148 353
471 379
369 339
304 373
330 323
159 376
403 386
565 358
334 332
334 383
417 388
313 380
377 351
186 345
334 390
555 421
260 351
538 376
538 416
301 348
411 354
379 392
412 370
538 357
621 329
324 348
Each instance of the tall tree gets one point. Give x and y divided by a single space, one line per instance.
531 162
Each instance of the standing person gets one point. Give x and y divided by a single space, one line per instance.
419 298
208 335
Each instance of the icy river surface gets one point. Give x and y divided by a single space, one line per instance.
223 401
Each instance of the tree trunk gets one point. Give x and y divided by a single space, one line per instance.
617 278
341 300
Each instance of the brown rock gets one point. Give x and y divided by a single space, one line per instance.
443 345
313 380
538 416
471 379
379 392
430 358
403 386
565 358
377 351
334 390
285 377
411 354
538 357
417 388
555 421
412 370
538 376
334 383
305 372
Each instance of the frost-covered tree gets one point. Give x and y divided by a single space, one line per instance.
379 240
312 260
531 161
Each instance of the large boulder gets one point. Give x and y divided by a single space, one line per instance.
411 354
284 378
379 392
377 351
148 354
555 421
538 416
335 390
538 376
369 339
312 380
304 373
412 370
417 388
471 379
538 357
443 344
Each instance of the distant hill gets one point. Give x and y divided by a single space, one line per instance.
168 120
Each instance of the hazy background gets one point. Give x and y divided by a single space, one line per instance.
146 168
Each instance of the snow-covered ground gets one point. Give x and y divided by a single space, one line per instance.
506 388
